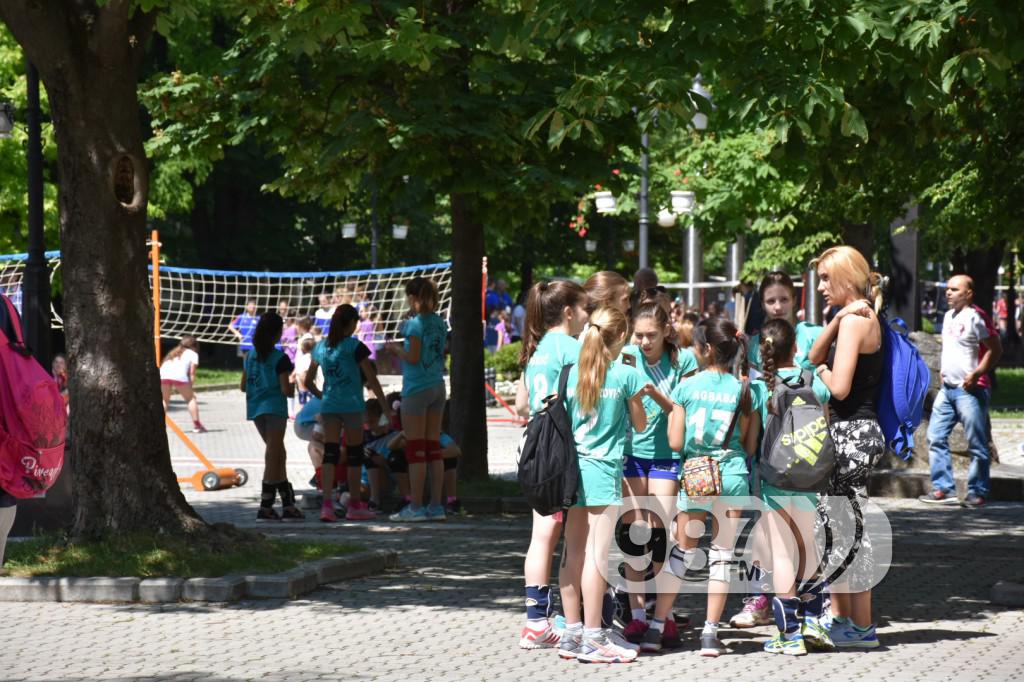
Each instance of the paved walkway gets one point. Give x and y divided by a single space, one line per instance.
453 609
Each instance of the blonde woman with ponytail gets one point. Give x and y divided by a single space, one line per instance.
853 377
603 398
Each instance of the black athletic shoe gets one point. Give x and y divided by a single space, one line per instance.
267 514
973 501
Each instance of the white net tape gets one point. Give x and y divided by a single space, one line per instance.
204 302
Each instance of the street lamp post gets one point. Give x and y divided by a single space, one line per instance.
35 311
644 223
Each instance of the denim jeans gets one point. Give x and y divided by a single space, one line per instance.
970 408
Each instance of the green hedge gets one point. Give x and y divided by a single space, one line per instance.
505 361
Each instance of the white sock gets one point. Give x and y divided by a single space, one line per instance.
591 633
574 628
710 628
537 623
657 625
639 614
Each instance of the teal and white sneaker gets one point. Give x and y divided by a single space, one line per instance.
849 636
816 636
790 646
409 515
570 644
436 513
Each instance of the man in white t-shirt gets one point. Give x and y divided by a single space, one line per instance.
322 317
963 396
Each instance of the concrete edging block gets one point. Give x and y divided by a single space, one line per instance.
29 589
1006 593
99 589
161 590
226 588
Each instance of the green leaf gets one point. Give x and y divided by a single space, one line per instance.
950 70
853 123
581 37
857 23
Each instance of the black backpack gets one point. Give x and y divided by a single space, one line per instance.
797 452
548 470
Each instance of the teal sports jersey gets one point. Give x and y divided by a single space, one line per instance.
343 382
652 442
554 351
710 400
601 434
806 335
262 387
429 371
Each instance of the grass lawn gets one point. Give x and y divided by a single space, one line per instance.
206 376
493 487
151 556
1009 387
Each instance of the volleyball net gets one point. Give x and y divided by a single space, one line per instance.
203 303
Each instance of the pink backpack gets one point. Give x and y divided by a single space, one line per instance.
33 418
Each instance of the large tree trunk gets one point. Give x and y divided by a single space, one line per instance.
983 267
468 414
88 58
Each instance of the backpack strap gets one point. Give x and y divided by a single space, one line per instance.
807 377
735 415
15 318
563 381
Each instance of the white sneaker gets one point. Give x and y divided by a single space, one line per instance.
601 649
619 640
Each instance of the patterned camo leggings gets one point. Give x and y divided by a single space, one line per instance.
859 445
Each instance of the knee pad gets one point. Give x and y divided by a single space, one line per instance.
416 451
626 544
397 462
538 601
332 453
812 602
787 614
658 544
451 463
719 562
433 450
680 561
355 455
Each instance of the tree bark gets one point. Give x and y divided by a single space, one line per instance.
88 58
468 413
982 265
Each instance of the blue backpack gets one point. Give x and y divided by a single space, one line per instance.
903 389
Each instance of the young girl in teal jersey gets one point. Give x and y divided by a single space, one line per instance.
651 467
705 406
603 397
797 605
778 298
555 316
345 361
265 383
423 399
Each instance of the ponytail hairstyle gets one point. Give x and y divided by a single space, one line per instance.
188 342
847 267
343 316
779 278
602 340
654 311
267 334
544 307
729 348
777 340
424 294
604 290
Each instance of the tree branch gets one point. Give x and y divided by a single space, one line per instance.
43 33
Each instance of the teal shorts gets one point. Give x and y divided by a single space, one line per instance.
789 500
734 484
600 482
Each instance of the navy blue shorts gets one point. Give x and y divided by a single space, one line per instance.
638 467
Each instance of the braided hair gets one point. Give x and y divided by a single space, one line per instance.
777 341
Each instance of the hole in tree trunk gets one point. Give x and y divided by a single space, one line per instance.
124 180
